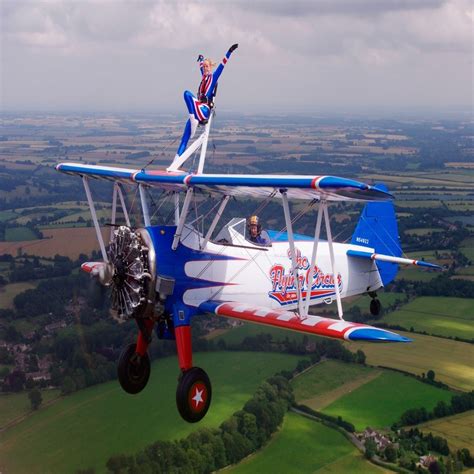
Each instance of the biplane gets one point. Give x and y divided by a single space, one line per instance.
162 276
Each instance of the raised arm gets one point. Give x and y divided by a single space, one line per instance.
200 60
220 68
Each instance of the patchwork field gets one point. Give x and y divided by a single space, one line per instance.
329 380
84 429
437 315
69 242
303 445
451 360
381 401
457 429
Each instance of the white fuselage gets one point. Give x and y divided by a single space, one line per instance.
263 275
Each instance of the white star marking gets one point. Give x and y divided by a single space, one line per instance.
198 397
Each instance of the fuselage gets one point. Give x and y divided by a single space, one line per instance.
235 269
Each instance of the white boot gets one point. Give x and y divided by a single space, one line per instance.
194 124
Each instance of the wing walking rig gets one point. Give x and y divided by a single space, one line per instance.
162 276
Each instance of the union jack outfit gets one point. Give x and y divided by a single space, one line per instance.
200 108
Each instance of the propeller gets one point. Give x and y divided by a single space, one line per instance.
127 273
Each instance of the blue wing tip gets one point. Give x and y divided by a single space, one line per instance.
376 335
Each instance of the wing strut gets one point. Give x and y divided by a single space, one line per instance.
333 260
214 222
182 218
94 219
118 192
291 240
146 213
317 232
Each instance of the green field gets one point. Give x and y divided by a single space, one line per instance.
84 429
451 360
236 335
303 445
363 302
440 316
18 234
424 230
380 402
328 380
18 404
456 429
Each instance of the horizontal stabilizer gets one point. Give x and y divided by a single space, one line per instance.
388 258
315 325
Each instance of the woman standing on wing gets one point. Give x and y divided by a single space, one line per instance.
200 108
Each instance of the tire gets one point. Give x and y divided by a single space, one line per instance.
193 395
375 307
133 371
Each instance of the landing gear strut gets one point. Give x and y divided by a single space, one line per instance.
193 395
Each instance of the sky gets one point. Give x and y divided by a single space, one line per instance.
293 56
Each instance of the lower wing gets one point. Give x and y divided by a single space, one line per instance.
315 325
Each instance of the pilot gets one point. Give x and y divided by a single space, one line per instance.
255 231
200 108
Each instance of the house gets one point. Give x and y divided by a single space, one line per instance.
381 441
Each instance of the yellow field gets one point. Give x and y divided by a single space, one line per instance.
458 430
8 292
69 242
452 361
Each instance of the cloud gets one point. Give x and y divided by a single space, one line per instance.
306 44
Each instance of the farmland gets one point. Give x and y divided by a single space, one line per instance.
367 405
457 429
328 381
437 315
451 360
17 404
70 242
434 205
303 445
58 438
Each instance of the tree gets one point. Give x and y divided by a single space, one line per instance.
360 357
430 375
35 398
370 448
390 453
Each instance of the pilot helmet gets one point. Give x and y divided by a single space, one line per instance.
254 220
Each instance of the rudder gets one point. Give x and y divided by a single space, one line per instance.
377 228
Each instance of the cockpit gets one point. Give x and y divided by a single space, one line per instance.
235 232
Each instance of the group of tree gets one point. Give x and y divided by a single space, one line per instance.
414 443
207 450
459 404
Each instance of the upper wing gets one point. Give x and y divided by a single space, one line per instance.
316 325
331 188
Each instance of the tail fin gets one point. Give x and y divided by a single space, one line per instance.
377 228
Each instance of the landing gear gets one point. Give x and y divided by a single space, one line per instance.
193 395
133 369
375 307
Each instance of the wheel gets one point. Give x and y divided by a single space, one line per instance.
375 307
193 395
133 370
